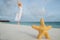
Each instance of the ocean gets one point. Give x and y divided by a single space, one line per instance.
53 24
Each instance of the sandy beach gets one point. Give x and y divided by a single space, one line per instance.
24 32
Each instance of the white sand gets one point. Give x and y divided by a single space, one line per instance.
23 32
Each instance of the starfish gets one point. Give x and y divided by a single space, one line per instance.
42 29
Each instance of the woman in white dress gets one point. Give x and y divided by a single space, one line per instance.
19 14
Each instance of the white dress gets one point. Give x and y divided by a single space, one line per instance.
18 15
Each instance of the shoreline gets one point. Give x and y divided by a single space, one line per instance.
25 25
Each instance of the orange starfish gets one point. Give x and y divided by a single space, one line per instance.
42 29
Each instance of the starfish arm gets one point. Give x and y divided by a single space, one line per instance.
47 35
40 35
35 27
49 27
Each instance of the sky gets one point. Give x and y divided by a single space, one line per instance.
33 10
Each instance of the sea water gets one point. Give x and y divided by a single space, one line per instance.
53 24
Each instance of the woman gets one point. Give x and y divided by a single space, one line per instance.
19 14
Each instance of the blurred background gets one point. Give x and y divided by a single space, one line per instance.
33 10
